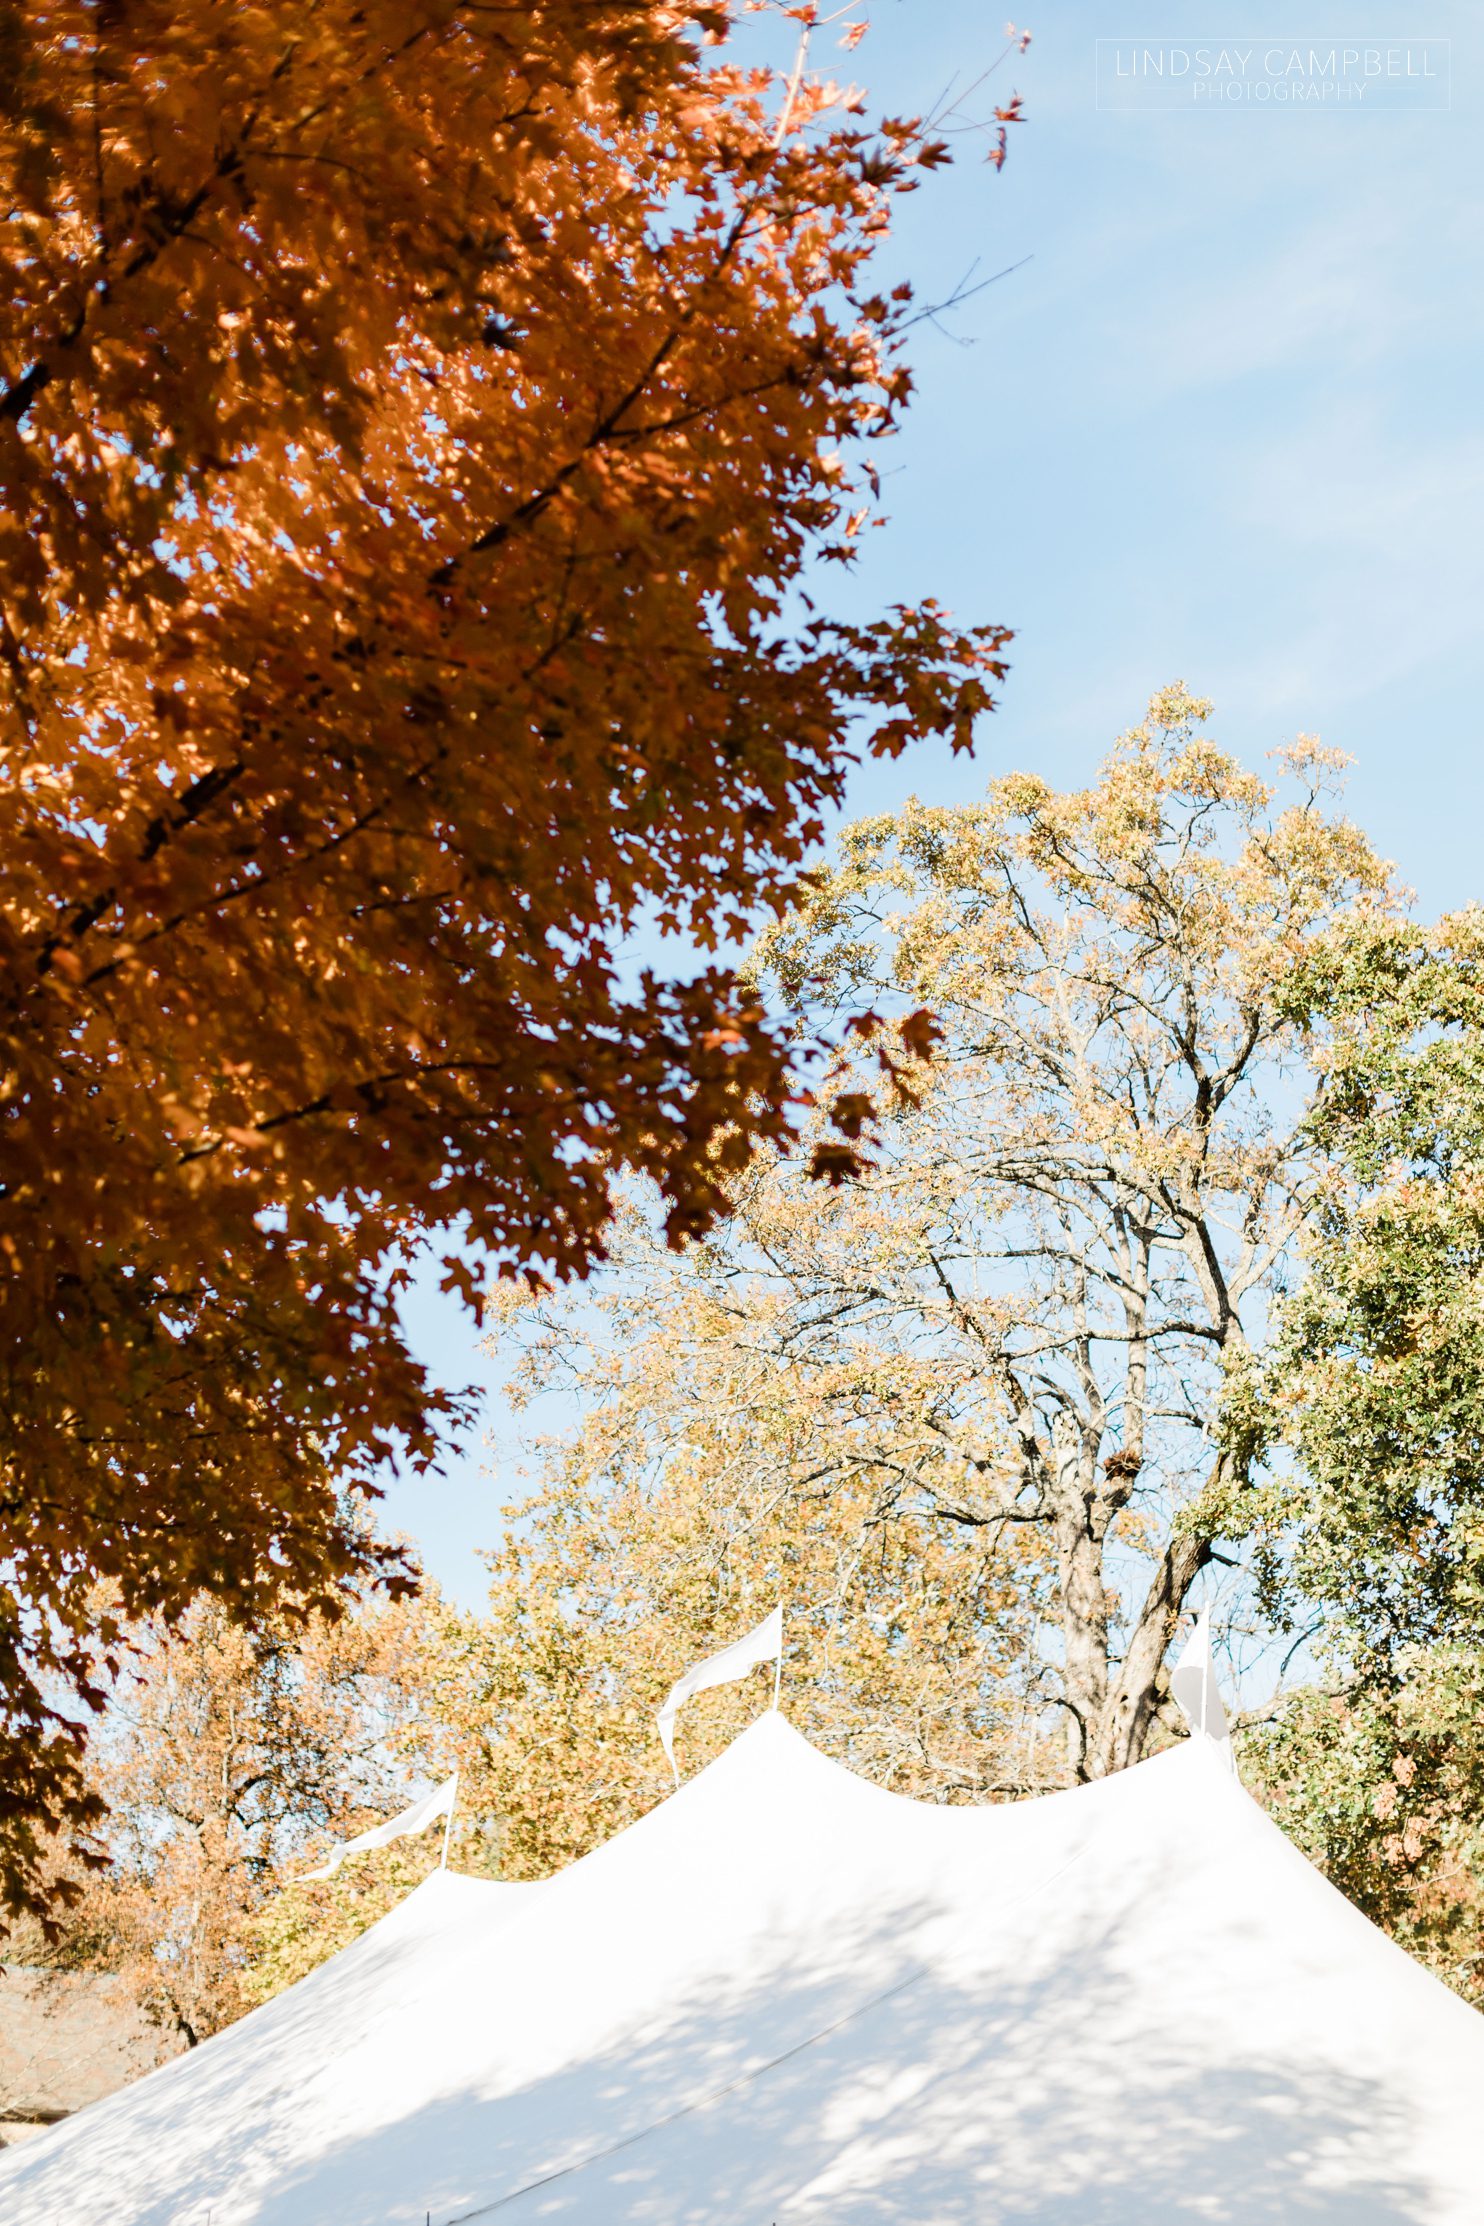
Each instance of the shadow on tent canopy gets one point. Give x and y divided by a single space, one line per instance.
1025 2102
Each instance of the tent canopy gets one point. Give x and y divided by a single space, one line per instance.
786 1995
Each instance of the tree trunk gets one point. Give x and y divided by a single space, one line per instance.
1084 1599
1133 1705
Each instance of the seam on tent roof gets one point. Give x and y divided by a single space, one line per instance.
758 2071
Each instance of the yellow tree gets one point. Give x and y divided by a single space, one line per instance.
672 1521
1028 1322
629 1567
224 1758
635 1559
387 391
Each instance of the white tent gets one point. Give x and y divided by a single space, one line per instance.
789 1996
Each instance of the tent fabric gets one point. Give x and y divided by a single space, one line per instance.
764 1644
1194 1685
788 1996
405 1826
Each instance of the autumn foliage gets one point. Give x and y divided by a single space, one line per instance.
225 1754
1008 1375
413 419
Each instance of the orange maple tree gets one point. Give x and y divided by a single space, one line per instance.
415 417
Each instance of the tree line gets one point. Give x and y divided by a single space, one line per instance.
1072 1211
1158 1283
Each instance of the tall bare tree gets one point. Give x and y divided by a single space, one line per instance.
1033 1314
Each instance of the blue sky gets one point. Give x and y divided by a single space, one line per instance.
1224 423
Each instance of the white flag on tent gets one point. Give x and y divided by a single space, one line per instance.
1193 1683
765 1644
416 1819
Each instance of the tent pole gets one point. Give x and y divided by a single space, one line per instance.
448 1826
778 1664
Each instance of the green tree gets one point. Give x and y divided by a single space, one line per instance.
1376 1383
1381 1782
292 1929
1378 1380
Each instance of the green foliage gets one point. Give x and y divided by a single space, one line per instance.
301 1926
1376 1383
1381 1788
1378 1373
